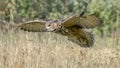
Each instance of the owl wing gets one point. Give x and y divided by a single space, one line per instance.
78 36
35 26
88 21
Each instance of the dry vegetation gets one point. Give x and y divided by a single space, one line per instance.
48 50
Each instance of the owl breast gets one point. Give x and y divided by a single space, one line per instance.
53 26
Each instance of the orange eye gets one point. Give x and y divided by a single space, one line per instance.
49 24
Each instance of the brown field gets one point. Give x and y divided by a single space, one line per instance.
48 50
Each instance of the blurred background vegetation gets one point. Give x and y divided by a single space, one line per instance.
17 11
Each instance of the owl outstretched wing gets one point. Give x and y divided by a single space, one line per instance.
34 26
83 21
78 36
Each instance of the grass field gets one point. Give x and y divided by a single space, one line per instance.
48 50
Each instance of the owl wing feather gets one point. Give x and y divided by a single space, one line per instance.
88 21
35 26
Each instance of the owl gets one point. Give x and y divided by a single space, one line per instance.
73 27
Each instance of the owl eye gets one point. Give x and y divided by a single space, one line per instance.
49 24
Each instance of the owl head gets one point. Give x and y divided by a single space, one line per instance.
53 26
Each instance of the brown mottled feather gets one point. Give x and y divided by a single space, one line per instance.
34 26
89 21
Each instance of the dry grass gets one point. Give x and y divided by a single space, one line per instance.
49 50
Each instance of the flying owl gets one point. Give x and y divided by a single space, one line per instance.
73 27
